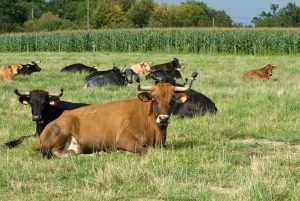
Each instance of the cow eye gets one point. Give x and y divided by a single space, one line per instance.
154 99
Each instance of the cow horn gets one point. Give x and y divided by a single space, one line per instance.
21 93
185 88
144 88
57 94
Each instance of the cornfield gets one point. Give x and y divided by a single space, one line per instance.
187 40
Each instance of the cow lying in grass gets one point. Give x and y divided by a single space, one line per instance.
261 73
196 103
141 68
130 125
30 68
78 68
9 72
114 76
45 107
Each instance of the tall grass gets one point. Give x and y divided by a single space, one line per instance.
185 40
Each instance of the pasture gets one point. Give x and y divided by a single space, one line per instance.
250 150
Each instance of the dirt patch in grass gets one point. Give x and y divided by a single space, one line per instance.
222 190
266 142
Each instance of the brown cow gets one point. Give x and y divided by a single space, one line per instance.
8 73
141 68
261 73
131 125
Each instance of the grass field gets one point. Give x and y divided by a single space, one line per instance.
249 151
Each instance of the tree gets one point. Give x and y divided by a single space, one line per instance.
107 14
288 16
13 15
47 22
66 9
189 13
274 8
124 4
140 12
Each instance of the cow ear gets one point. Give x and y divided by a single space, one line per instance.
181 97
53 100
144 96
24 100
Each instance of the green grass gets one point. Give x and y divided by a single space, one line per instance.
205 157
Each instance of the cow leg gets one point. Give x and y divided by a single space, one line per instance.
132 145
62 154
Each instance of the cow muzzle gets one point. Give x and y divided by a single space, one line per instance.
163 119
46 152
37 118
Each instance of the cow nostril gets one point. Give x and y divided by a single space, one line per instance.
36 117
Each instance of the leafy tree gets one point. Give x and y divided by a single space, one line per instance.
140 12
288 16
13 15
124 4
107 14
47 22
66 9
189 13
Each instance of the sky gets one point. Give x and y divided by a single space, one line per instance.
240 11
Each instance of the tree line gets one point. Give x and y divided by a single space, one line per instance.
288 16
49 15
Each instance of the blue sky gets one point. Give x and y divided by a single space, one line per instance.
240 11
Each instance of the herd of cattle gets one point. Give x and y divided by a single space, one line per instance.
65 128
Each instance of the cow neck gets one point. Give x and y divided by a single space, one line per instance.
159 131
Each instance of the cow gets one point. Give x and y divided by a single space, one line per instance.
114 76
45 107
173 65
141 68
30 68
261 73
164 74
130 125
79 68
196 103
9 72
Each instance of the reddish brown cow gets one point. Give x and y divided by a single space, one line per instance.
141 68
131 125
8 73
261 73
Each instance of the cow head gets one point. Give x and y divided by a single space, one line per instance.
128 74
268 69
14 68
34 67
39 100
175 63
145 66
162 97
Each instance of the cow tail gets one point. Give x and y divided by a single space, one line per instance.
14 143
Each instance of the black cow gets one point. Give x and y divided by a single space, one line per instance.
196 103
173 65
115 76
79 68
45 107
164 74
28 69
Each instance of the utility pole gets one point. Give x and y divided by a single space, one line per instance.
213 22
32 13
88 15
